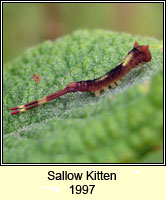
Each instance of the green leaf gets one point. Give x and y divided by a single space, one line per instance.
122 125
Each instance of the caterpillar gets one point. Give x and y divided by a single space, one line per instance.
135 58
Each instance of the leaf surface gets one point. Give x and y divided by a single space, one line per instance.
118 126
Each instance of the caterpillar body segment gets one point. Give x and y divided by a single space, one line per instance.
135 58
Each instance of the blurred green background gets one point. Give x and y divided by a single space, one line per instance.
28 24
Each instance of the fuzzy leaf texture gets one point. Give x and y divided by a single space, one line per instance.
124 125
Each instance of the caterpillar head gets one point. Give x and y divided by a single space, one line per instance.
137 56
140 54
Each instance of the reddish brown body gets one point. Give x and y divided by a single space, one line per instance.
136 57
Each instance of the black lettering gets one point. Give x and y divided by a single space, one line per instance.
78 176
58 176
106 176
113 174
51 175
70 176
89 175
